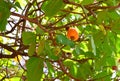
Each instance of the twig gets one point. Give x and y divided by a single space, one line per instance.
20 64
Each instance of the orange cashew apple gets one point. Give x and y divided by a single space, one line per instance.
73 34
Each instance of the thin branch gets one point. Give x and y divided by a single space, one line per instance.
20 63
14 52
33 20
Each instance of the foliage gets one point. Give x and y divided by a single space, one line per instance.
34 45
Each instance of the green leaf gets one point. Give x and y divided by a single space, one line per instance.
106 46
100 63
73 70
39 31
51 7
102 16
86 2
93 45
34 69
110 2
3 22
49 51
4 14
68 62
118 45
47 48
67 49
100 76
115 26
50 68
57 50
64 40
110 61
28 38
98 38
83 71
78 51
66 78
102 29
41 47
31 49
114 15
17 4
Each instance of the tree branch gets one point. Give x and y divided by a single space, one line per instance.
14 52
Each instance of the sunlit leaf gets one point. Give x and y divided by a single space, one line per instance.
102 29
73 70
22 2
68 62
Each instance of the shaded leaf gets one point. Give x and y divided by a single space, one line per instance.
100 76
93 45
111 2
86 2
28 38
41 47
78 51
110 61
4 14
17 4
83 71
34 69
31 49
98 38
73 70
50 68
114 15
39 31
102 16
68 62
116 26
49 51
51 7
64 40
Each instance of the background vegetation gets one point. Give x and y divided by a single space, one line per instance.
34 45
